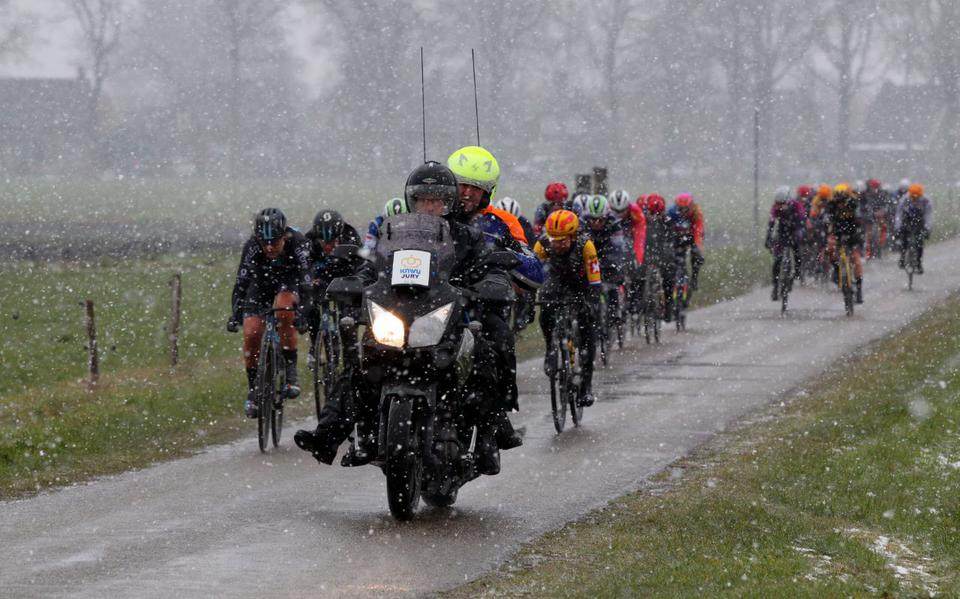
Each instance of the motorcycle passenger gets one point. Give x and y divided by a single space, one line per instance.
393 207
513 207
328 231
478 174
274 272
430 189
573 273
845 230
608 240
913 223
556 195
788 217
687 219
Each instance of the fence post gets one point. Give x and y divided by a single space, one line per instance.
93 362
174 328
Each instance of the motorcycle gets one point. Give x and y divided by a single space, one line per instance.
419 347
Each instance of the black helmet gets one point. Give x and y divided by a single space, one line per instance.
270 225
432 178
327 225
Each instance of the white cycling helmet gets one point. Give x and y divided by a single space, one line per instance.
619 200
782 194
510 205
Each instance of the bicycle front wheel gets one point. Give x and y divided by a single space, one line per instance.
265 391
558 382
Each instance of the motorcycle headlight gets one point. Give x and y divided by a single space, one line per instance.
387 328
428 329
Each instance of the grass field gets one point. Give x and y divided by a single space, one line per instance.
851 488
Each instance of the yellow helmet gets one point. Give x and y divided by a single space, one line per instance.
842 189
475 166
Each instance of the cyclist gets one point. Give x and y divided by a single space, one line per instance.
556 195
687 219
430 189
873 204
328 231
608 239
513 207
787 215
845 230
478 174
913 223
274 272
393 207
573 273
657 248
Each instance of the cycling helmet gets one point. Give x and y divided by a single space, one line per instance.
556 192
642 201
327 225
269 225
684 200
915 190
656 204
432 178
859 186
824 192
782 194
395 206
804 191
596 207
842 189
473 165
561 224
510 205
873 184
904 185
619 200
579 201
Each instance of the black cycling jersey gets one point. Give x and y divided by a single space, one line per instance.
260 278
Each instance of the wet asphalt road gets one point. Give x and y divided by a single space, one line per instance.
233 522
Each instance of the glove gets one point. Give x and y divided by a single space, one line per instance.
233 324
507 242
768 243
926 234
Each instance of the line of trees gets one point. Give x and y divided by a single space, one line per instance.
654 87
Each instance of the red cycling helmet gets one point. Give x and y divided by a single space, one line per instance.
641 201
873 183
556 192
804 191
656 204
684 200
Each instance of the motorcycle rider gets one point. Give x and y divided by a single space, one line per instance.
431 188
573 272
478 174
274 272
913 223
788 217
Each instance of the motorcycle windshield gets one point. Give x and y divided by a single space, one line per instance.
415 250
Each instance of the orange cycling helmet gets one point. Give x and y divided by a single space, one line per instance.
915 190
824 192
562 224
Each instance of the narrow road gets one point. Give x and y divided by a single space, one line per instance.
233 522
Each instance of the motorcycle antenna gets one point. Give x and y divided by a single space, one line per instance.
476 104
423 106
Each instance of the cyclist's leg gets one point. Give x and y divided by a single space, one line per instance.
548 312
587 352
903 236
919 249
253 326
777 260
287 300
696 262
857 271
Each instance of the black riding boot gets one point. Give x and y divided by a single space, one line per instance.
250 407
507 437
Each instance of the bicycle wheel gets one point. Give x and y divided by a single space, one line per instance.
559 380
572 391
784 280
911 262
265 390
319 378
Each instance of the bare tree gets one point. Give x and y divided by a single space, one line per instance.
845 42
100 23
13 29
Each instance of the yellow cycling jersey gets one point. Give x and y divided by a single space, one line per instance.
590 262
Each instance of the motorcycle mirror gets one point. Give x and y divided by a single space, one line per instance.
345 250
346 290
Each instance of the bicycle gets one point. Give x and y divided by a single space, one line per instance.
611 320
271 381
326 352
602 329
564 365
910 259
845 278
653 304
785 277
